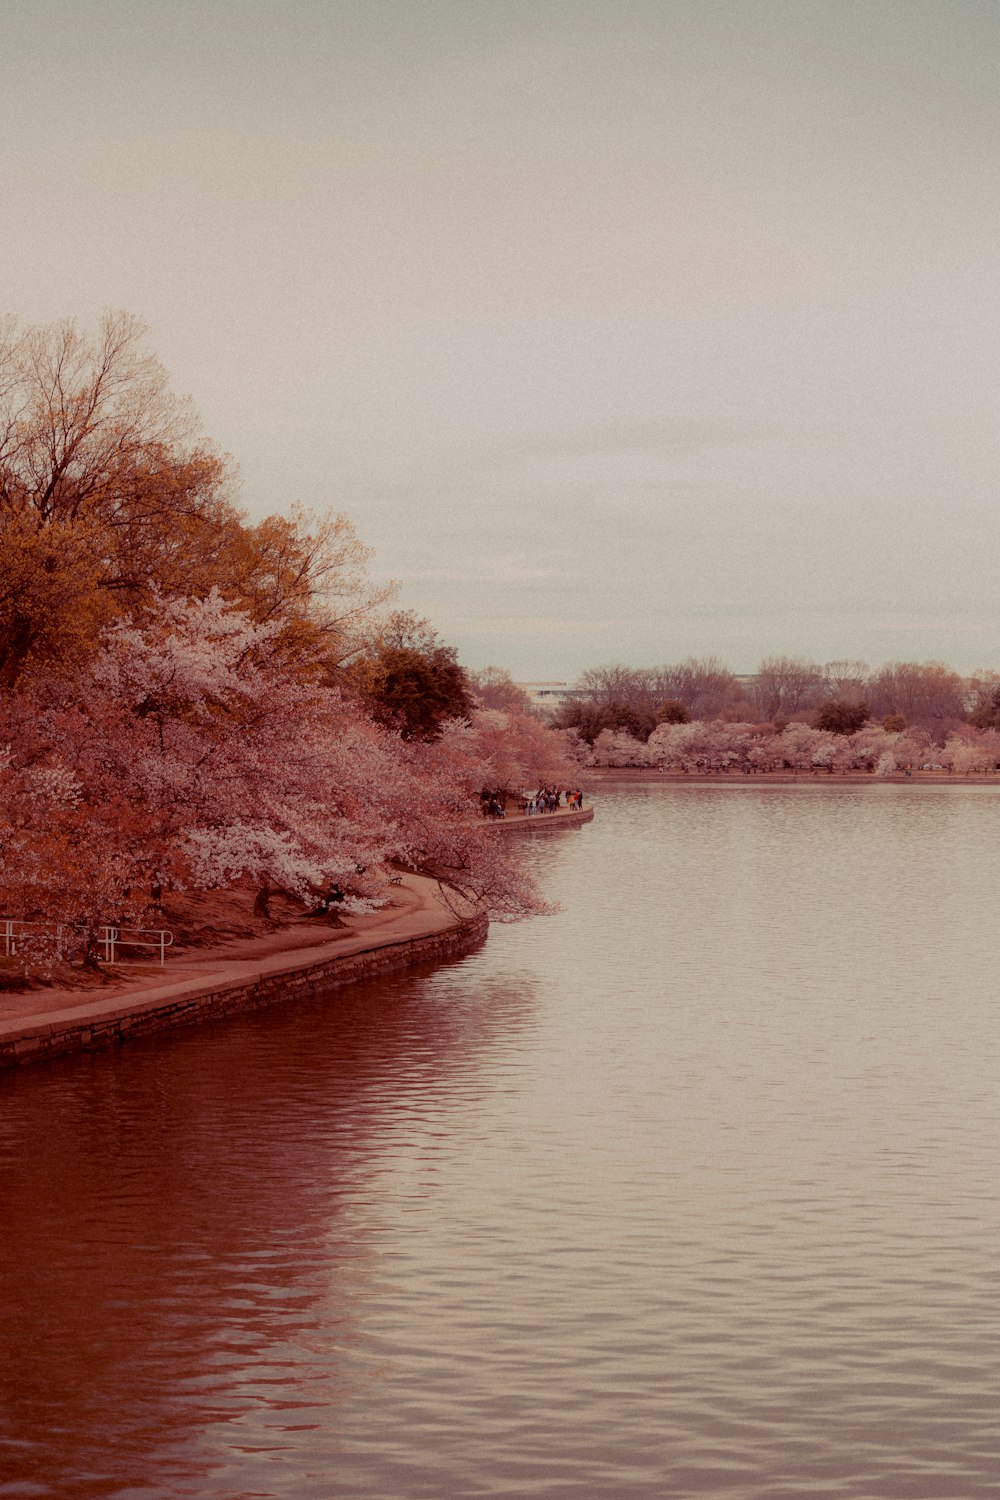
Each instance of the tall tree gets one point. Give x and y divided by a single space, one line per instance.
846 679
409 680
106 486
188 753
509 751
110 495
785 687
707 689
617 698
984 699
841 715
926 694
492 687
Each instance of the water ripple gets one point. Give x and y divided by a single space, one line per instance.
688 1191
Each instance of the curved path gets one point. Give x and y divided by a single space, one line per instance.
301 958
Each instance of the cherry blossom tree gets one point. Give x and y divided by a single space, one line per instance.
509 750
967 751
801 745
65 861
713 746
189 754
614 747
574 747
666 746
868 746
492 687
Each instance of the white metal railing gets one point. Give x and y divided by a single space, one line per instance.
142 937
110 939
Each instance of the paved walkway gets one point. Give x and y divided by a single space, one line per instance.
206 979
416 910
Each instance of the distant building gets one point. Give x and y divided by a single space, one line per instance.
551 694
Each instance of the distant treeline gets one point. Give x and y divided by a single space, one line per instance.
718 747
838 698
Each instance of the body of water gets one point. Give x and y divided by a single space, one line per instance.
691 1190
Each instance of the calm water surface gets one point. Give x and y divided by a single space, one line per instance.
691 1190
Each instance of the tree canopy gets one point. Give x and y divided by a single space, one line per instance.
841 715
409 681
110 495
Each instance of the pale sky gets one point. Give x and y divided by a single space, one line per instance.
622 330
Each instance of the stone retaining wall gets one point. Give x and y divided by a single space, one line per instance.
108 1022
545 822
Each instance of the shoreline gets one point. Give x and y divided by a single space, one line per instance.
246 974
48 1023
545 822
645 776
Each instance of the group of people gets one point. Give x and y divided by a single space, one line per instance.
493 803
548 799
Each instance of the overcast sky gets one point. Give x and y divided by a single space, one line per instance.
622 329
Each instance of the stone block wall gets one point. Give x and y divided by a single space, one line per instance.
108 1024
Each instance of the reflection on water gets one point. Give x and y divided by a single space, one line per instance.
689 1190
191 1226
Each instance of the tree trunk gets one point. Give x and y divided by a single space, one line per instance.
91 942
261 905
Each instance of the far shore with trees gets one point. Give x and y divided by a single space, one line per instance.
793 715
